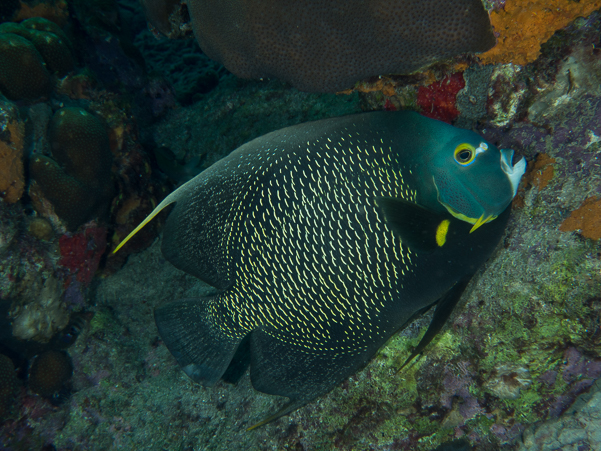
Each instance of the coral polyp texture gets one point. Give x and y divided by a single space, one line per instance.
11 159
52 44
523 25
76 180
50 372
25 68
23 74
328 46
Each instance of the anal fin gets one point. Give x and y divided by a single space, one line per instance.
203 348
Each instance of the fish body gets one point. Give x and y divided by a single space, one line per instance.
324 239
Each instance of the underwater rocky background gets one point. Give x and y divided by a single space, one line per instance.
103 119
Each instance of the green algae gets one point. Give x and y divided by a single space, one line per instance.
102 320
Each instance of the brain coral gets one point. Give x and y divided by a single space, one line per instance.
23 74
73 202
77 179
41 24
328 46
49 40
27 52
53 48
50 372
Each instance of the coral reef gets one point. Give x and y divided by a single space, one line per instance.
53 10
49 40
67 197
8 9
81 254
107 45
191 73
508 381
41 229
523 25
77 179
438 100
586 219
50 372
25 65
242 111
12 177
80 143
8 387
351 40
23 74
577 429
168 17
523 344
40 317
540 171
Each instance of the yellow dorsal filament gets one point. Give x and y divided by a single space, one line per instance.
171 198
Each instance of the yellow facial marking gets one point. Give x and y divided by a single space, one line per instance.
441 232
482 220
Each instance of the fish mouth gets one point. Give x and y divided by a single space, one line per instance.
514 172
476 221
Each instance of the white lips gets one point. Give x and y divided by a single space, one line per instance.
515 172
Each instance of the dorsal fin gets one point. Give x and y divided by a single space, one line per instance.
170 199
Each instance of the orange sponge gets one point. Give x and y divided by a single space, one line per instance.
586 219
524 25
11 162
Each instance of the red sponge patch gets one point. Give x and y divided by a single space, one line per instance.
439 100
81 253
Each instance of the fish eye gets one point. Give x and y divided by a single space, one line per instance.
465 154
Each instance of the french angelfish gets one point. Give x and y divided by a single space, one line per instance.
323 240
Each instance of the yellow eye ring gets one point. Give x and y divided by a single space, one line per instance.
465 154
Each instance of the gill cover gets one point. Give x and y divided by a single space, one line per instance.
474 180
